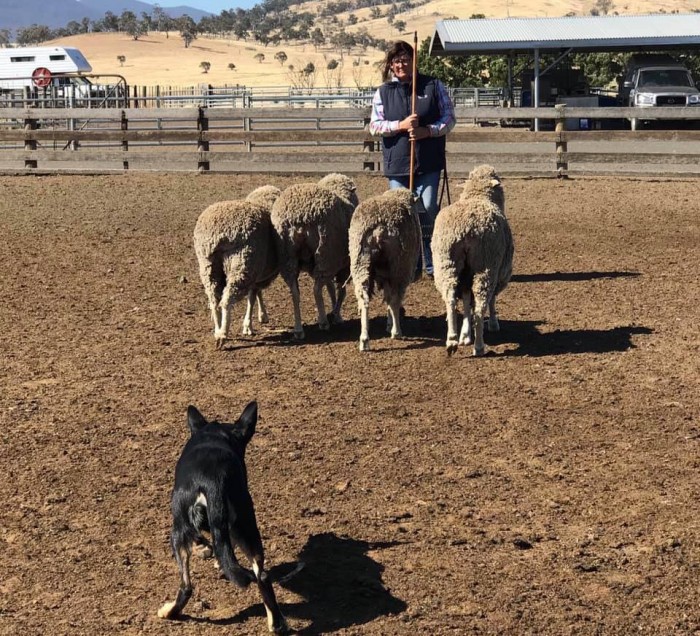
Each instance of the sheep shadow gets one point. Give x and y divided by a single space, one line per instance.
341 586
531 342
547 277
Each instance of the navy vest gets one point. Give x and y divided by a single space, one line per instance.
430 152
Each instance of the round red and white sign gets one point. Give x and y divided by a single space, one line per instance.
41 77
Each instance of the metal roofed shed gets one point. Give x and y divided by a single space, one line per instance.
585 34
560 36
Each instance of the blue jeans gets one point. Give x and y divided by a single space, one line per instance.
426 187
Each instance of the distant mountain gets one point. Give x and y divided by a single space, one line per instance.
16 14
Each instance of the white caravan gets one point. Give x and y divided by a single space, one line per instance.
36 66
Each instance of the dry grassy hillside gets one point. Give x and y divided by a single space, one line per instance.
157 59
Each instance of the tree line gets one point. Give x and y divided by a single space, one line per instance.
272 22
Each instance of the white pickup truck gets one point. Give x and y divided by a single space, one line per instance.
656 80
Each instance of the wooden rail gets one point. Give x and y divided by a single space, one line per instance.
322 140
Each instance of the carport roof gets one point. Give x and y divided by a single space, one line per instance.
586 34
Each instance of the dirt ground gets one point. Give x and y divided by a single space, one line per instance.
550 487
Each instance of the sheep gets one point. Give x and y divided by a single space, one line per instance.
385 242
311 222
235 250
472 249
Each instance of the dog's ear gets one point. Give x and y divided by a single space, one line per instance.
246 422
195 420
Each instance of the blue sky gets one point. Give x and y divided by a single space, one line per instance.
214 6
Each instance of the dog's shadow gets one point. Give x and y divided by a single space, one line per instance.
341 586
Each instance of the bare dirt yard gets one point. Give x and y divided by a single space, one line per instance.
550 487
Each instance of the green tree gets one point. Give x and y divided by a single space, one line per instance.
205 66
121 59
281 57
260 57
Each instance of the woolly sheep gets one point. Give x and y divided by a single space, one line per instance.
311 222
473 256
235 250
384 240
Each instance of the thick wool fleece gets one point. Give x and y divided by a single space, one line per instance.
384 243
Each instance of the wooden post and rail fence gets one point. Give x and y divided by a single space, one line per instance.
321 140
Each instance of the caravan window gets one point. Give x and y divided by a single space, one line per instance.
56 58
27 58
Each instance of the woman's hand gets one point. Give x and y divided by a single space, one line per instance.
408 124
418 133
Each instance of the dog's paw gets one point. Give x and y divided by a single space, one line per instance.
243 577
281 628
203 551
168 611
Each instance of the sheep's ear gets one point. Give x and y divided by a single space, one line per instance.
247 421
195 420
495 182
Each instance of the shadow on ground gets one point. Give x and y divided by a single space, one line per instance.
341 586
533 343
546 277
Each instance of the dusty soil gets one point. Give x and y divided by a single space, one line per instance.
548 488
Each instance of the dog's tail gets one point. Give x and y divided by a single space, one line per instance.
218 516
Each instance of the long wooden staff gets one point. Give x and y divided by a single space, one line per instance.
414 77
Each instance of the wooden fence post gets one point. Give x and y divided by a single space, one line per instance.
202 144
124 124
561 147
30 144
369 146
247 127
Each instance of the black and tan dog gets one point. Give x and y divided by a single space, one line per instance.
211 495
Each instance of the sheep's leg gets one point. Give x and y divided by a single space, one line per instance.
395 313
320 307
465 337
480 291
296 301
493 324
262 310
248 318
225 309
363 304
389 320
451 307
213 309
340 279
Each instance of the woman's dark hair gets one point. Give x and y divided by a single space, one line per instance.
395 50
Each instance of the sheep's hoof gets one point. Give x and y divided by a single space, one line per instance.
220 342
479 352
466 339
324 326
335 319
492 325
247 330
451 347
397 336
364 344
299 335
264 319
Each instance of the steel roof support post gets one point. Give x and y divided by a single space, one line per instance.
536 96
509 96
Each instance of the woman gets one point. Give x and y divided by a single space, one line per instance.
392 119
